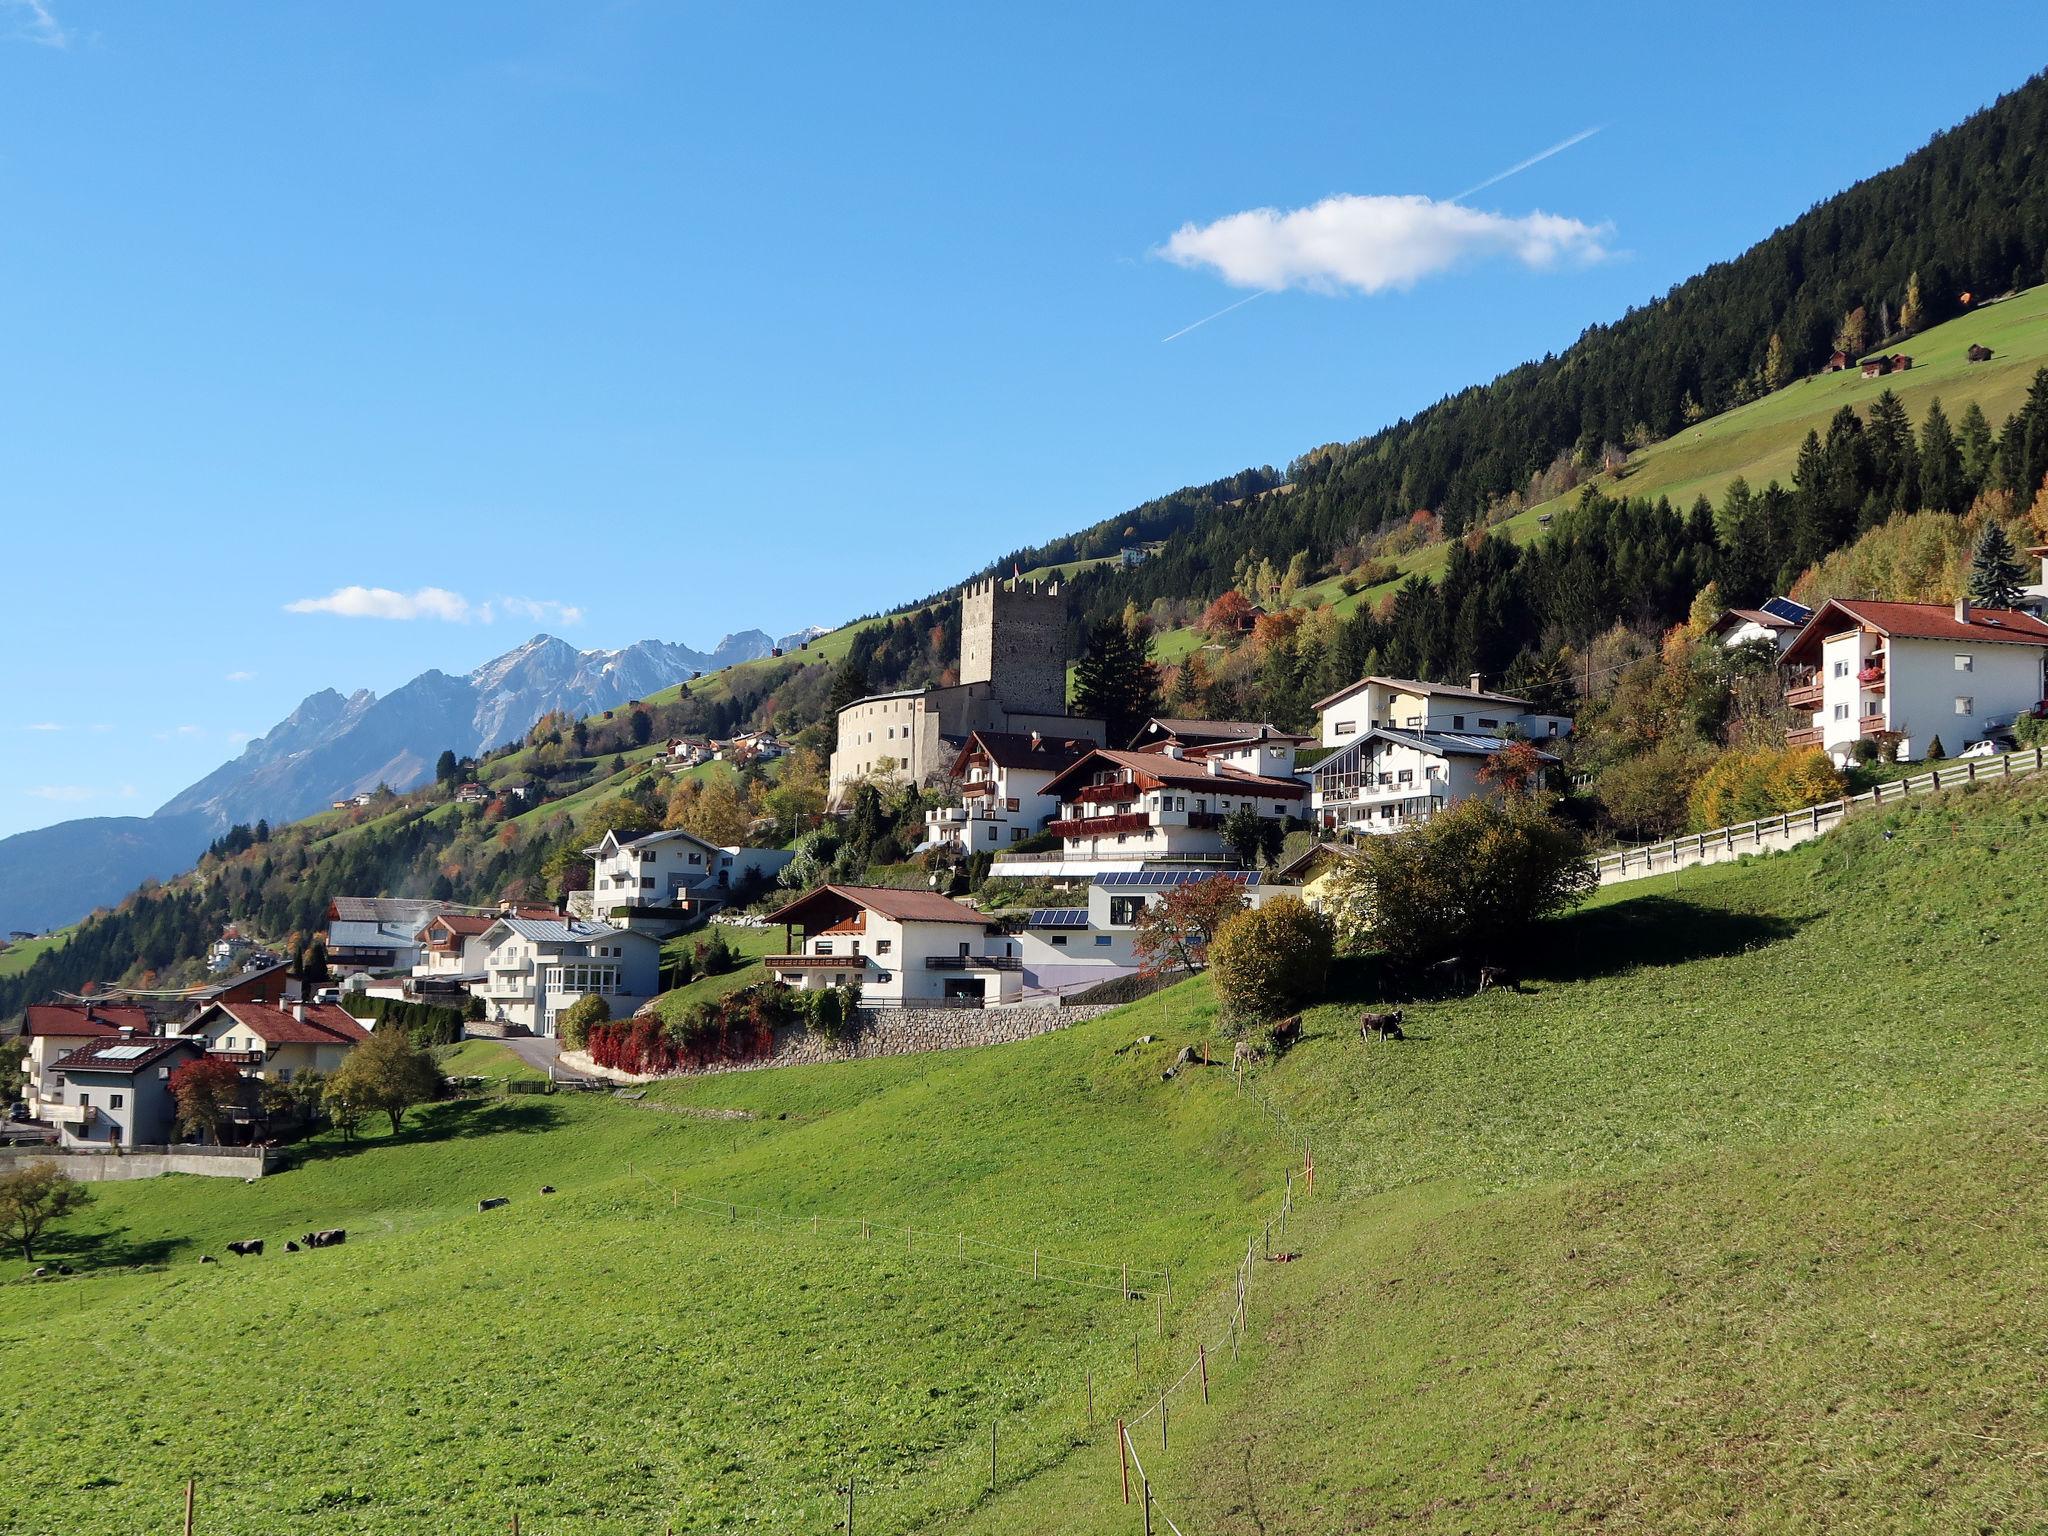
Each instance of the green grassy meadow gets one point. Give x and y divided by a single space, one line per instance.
1728 1220
16 958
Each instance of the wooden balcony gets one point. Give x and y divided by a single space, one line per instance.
1099 826
1803 736
1804 696
1107 794
973 963
978 787
1871 725
815 962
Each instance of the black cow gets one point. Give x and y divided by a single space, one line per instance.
547 1189
249 1247
1381 1026
494 1202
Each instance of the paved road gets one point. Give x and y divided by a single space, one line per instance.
543 1054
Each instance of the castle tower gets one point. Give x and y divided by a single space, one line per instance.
1013 638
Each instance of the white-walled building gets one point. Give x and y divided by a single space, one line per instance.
1002 777
52 1031
1389 780
277 1044
675 871
117 1093
452 945
1920 670
375 933
1068 948
913 949
536 967
1165 806
1406 704
1776 619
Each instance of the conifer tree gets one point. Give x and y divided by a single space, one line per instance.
1117 681
1996 578
1941 463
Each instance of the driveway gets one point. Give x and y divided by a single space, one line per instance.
543 1053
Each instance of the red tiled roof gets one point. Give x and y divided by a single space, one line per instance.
95 1057
464 923
1920 621
83 1021
901 906
1015 749
1181 772
323 1024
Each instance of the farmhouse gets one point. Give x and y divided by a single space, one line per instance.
1002 777
1390 780
536 967
1911 672
901 948
1013 678
117 1093
451 945
1408 704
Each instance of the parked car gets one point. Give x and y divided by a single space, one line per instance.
18 1112
1990 746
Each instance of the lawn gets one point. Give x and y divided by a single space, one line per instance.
16 958
485 1058
748 943
1727 1220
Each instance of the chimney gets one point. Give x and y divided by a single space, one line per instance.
299 1010
1475 681
1215 768
127 1031
1175 751
1962 610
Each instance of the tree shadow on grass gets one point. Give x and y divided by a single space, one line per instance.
1648 931
448 1121
102 1249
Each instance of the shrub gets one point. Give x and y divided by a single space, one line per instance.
1745 786
831 1013
425 1024
573 1023
1469 881
1935 750
738 1027
1271 960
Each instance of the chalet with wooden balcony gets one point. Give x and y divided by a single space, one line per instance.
1002 777
1911 671
277 1044
1164 806
903 949
1413 705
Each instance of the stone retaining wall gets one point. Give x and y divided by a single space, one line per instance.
100 1167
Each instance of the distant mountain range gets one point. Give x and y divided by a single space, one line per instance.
333 745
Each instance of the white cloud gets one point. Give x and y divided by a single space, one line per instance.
546 610
383 603
43 725
191 730
1370 244
32 21
71 794
241 677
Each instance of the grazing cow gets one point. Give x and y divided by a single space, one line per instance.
1381 1026
1287 1033
39 1272
66 1269
1246 1055
333 1237
290 1246
547 1189
247 1248
207 1258
494 1202
1496 976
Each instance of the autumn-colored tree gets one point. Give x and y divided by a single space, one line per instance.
1854 329
1229 614
386 1073
31 1197
207 1092
1516 769
1776 370
1271 960
1174 932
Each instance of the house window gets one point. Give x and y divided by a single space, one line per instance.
1488 724
1345 727
1457 722
1016 834
647 882
854 947
1965 704
1102 941
1124 910
1011 804
1966 663
116 1101
1841 711
822 947
84 1098
1059 941
883 946
1841 669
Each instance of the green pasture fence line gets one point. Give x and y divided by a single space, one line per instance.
1724 843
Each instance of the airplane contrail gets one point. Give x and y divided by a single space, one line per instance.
1226 309
1514 170
1522 165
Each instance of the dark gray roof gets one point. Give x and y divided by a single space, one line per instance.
1437 743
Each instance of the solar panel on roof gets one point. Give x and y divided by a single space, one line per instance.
1059 917
1166 879
123 1052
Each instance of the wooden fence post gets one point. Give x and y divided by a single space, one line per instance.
191 1489
1162 1421
1202 1359
1123 1457
1091 1397
991 1455
1148 1507
1135 1368
1034 1263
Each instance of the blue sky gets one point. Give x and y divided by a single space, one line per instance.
629 320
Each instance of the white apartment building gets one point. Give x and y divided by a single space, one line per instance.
52 1031
1919 670
1407 704
452 944
909 949
674 871
1002 777
1388 780
536 967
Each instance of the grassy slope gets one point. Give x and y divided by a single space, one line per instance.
1728 1222
748 942
19 957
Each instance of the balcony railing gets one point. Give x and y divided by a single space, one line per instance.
1804 695
815 962
1871 725
1803 736
239 1058
973 963
978 787
1099 826
1872 678
1107 794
